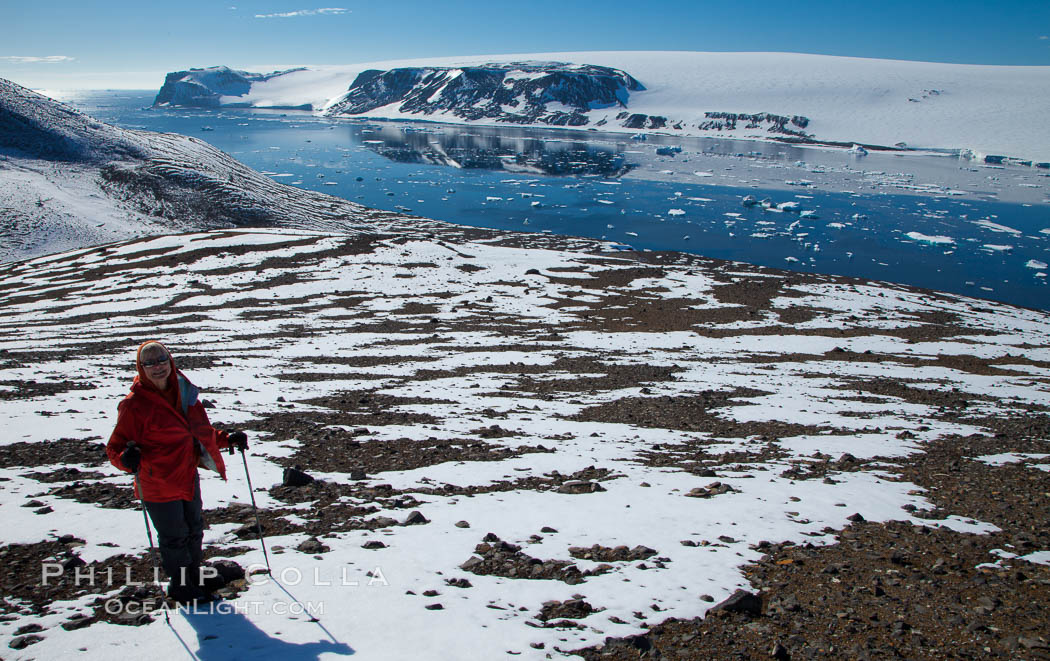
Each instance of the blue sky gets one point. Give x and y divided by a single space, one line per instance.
69 44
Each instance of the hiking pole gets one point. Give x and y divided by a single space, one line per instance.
149 532
258 525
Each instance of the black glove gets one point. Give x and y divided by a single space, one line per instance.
238 439
131 457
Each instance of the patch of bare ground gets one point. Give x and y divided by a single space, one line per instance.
63 451
586 480
66 474
697 412
613 376
896 590
692 457
103 494
631 312
495 557
36 575
958 362
30 389
335 450
897 388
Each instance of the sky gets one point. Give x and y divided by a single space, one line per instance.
83 44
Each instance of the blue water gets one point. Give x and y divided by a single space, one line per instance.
601 186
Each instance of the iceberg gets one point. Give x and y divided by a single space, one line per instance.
922 238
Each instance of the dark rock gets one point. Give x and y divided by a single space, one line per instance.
22 642
415 518
373 544
28 628
580 487
740 601
312 545
78 621
293 477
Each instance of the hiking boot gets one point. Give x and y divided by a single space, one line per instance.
189 594
212 583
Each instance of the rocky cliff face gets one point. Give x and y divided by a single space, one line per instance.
553 93
203 88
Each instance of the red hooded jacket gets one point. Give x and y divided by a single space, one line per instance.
173 440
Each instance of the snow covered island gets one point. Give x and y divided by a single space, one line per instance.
984 112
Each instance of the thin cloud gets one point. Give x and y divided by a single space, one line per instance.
31 59
326 11
1043 37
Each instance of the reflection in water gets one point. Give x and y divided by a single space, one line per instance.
496 152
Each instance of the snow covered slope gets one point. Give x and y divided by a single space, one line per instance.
67 180
983 110
594 442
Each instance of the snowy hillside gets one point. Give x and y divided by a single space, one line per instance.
973 109
67 181
527 449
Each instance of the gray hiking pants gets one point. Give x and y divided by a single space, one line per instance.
180 533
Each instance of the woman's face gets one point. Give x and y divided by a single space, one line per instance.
157 367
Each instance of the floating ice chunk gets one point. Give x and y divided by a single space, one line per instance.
858 216
760 235
700 173
1036 264
731 214
676 212
631 233
996 248
749 201
605 202
493 199
858 150
707 199
789 206
996 227
791 259
922 238
808 214
1045 230
537 204
837 226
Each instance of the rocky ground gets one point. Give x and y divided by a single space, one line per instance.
871 589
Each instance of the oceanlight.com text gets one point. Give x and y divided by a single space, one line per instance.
240 607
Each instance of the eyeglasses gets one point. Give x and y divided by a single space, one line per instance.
155 362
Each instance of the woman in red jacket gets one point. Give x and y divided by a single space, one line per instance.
162 436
